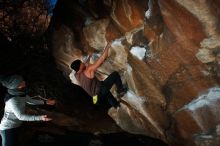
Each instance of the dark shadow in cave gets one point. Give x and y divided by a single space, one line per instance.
88 139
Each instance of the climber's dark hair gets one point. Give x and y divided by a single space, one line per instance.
75 65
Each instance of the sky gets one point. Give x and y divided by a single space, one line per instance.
50 4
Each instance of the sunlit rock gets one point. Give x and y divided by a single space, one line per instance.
149 12
167 53
205 56
64 49
136 116
95 33
211 42
137 37
139 52
206 16
127 14
204 107
210 50
153 25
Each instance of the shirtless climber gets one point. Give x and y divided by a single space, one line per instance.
85 75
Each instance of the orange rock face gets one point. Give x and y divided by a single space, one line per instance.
167 53
189 79
127 14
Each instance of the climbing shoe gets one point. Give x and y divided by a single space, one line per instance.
95 99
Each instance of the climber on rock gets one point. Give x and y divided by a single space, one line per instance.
99 90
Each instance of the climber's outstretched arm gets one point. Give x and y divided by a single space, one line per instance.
93 67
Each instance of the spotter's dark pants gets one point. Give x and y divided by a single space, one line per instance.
10 137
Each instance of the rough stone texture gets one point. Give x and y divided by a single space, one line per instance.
202 119
127 14
167 53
